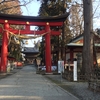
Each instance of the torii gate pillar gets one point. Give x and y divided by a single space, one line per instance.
48 49
4 50
24 20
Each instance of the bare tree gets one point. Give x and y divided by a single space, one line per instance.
13 6
88 39
76 19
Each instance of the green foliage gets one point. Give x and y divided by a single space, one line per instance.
52 8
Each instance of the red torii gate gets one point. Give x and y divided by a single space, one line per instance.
28 21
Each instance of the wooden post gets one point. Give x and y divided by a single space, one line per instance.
71 55
4 51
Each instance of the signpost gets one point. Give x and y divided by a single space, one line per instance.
61 68
75 70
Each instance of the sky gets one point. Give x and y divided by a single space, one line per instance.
31 10
96 14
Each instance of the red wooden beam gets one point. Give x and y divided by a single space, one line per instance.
15 22
26 32
56 23
1 29
34 32
55 33
2 21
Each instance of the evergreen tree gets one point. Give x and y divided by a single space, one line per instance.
53 8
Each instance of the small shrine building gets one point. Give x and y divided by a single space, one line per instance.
75 46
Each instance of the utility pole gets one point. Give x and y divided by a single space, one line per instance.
87 64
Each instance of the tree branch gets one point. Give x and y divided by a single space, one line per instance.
24 4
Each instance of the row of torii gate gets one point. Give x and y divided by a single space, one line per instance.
7 20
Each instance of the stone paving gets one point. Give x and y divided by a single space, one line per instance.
27 85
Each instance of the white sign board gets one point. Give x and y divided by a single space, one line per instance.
60 66
75 71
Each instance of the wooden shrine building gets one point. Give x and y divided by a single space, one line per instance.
75 46
31 54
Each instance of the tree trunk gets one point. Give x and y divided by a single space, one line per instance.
87 63
63 42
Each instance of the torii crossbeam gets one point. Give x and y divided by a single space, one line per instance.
28 21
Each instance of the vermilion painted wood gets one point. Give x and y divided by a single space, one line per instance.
27 32
4 51
1 29
30 32
2 21
14 22
48 49
28 21
55 33
55 23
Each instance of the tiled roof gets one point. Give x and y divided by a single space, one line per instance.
35 18
78 41
30 50
77 38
